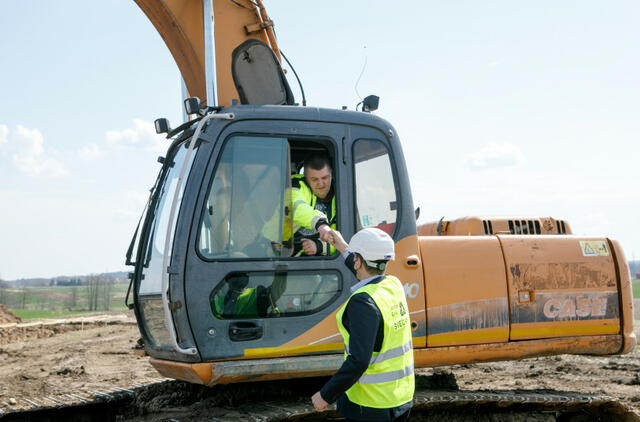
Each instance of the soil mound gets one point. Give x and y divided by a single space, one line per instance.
7 317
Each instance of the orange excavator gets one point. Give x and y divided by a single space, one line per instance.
478 288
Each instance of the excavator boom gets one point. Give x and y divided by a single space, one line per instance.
180 23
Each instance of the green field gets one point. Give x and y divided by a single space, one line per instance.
636 288
46 302
38 313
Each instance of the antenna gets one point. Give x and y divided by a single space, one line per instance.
364 66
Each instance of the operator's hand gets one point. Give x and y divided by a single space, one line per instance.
337 241
318 402
309 247
324 231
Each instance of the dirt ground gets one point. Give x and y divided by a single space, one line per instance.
6 316
42 361
101 356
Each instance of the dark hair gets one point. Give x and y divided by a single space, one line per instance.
370 269
317 162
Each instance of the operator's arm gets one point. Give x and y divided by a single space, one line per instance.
278 287
304 215
267 296
361 319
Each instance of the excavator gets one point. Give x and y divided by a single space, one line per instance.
479 289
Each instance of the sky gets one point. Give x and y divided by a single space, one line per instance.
502 108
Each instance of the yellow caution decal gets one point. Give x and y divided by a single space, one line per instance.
594 248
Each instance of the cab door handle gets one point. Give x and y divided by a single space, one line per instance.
412 261
245 330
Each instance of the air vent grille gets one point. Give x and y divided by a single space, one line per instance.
524 227
561 227
488 227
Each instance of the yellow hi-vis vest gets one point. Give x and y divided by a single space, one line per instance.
301 204
388 381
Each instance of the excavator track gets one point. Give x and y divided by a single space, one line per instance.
288 401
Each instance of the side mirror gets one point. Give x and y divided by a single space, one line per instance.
162 125
370 103
192 105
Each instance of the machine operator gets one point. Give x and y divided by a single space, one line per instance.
313 206
312 212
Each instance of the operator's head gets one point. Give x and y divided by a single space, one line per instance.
372 248
317 173
238 282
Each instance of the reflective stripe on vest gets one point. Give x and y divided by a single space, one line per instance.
389 354
392 353
386 376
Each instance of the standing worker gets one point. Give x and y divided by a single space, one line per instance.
376 381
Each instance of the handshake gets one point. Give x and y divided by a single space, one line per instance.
333 237
327 234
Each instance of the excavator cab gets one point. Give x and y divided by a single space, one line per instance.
235 288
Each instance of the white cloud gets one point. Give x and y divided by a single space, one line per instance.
495 156
4 134
142 135
90 152
32 158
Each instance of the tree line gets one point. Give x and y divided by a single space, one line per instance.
93 294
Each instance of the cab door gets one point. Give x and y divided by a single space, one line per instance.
245 294
381 197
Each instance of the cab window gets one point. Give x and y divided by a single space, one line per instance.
375 193
259 204
244 215
152 271
269 295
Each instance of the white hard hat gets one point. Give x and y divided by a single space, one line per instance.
373 244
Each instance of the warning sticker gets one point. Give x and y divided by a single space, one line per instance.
594 248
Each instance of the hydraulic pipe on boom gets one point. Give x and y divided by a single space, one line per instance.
208 25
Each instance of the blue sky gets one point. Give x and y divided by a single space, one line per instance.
502 108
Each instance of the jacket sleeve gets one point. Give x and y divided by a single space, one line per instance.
361 319
324 248
304 215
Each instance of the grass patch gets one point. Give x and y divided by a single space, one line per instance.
39 313
61 300
636 288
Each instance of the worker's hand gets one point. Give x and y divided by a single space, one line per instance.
309 247
318 402
337 241
324 231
